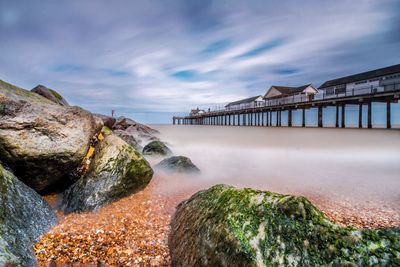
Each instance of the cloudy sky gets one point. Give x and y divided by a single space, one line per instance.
152 59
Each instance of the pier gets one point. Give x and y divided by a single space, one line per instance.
261 114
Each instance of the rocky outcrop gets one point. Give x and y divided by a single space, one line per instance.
107 120
179 164
156 148
43 142
129 138
24 216
50 94
224 226
116 171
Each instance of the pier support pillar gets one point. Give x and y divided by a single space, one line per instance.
360 106
277 118
337 116
262 118
270 118
289 118
369 114
388 120
267 118
258 122
303 120
343 115
320 116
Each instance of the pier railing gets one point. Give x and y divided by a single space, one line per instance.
293 99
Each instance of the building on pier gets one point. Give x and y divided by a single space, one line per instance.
379 79
283 94
251 102
197 111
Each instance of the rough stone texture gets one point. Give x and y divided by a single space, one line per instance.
156 148
224 226
117 170
129 138
24 216
178 164
41 141
50 94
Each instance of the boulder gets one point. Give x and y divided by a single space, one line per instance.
107 120
24 217
225 226
129 138
116 171
178 164
156 148
43 142
50 94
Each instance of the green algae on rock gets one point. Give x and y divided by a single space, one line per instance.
24 216
225 226
156 148
116 171
50 94
178 164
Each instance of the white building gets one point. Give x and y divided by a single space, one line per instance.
277 95
363 83
251 102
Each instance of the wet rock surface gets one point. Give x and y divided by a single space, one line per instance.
43 142
179 164
117 170
24 216
156 148
225 226
50 94
129 138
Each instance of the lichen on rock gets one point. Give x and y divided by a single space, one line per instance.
225 226
116 170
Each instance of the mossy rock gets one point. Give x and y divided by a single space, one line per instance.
225 226
24 216
116 171
50 94
156 148
179 164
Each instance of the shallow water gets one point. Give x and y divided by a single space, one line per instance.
360 167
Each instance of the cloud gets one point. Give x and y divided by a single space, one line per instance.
158 57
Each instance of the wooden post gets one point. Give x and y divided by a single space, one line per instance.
258 119
343 115
238 116
289 118
251 118
267 118
360 115
277 118
319 116
270 118
337 116
369 114
388 117
303 115
262 118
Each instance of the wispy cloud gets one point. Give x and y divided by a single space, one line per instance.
160 57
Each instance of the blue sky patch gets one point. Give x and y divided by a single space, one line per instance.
67 68
263 48
184 75
216 47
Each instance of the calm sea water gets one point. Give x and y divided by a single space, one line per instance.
360 166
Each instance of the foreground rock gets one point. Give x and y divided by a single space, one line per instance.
224 226
156 148
179 164
116 171
129 138
50 94
43 142
24 216
107 120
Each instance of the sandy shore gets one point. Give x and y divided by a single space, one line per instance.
134 230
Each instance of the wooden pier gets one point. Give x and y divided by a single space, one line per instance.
262 115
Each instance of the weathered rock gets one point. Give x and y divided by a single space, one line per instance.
156 148
178 164
41 141
50 94
129 138
107 120
224 226
116 171
24 216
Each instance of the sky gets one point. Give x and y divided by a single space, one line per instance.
150 60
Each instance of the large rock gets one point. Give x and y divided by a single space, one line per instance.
129 138
117 170
224 226
179 164
107 120
24 216
43 142
156 148
50 94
